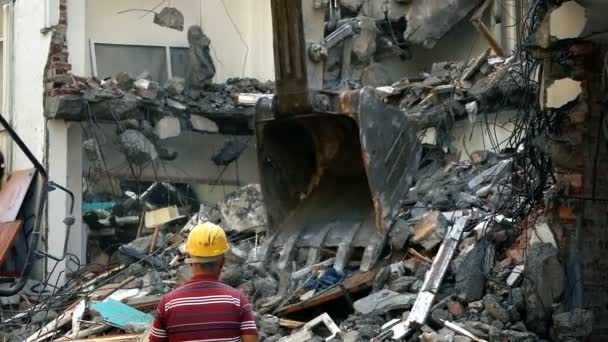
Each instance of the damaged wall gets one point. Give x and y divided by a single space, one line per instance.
192 165
29 61
233 56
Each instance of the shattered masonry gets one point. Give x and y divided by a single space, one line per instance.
497 245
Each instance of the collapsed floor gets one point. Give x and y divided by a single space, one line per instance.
503 279
472 256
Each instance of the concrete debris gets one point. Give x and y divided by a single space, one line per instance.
430 230
138 147
470 276
269 325
200 64
175 86
170 17
244 210
168 127
576 325
543 285
400 234
461 263
384 301
429 21
202 124
492 305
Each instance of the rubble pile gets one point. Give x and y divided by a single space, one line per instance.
132 279
503 284
126 95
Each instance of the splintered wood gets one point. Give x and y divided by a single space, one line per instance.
432 281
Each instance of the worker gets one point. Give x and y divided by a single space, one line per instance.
205 309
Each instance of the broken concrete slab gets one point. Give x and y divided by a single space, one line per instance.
244 209
470 276
400 234
352 5
137 146
429 21
430 230
384 301
269 325
543 284
200 64
364 42
495 309
402 284
575 325
175 86
202 124
170 17
513 336
306 334
168 127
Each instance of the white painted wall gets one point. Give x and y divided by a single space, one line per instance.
30 56
232 57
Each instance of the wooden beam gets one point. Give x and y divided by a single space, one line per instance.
287 323
114 338
144 303
352 284
86 332
109 289
54 325
432 282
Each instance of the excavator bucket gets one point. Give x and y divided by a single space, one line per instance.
333 180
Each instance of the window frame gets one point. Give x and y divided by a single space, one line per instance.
92 44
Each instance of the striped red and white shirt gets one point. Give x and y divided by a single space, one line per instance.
203 310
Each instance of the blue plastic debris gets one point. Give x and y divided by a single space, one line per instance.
97 205
330 278
119 314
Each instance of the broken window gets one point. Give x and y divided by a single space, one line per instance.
110 59
179 61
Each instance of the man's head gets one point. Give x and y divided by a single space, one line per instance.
206 246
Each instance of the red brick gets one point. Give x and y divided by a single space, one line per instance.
455 308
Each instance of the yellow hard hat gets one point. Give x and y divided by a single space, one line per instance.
207 242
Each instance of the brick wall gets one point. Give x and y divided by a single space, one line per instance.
57 69
580 212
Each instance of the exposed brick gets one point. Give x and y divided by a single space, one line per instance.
571 181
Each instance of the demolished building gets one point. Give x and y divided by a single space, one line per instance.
491 230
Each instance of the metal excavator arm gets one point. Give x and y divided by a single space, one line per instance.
334 165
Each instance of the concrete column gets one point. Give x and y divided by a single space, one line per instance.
65 168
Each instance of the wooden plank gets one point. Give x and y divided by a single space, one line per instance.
114 338
354 283
8 235
107 290
13 193
55 324
432 282
144 303
287 323
85 332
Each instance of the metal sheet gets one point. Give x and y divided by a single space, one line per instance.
13 193
391 153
